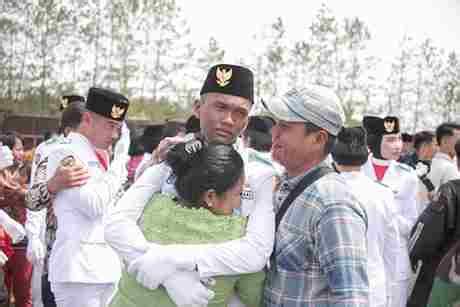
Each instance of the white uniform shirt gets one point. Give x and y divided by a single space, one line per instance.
402 180
247 254
443 169
80 253
382 234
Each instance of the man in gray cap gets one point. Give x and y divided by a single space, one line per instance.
320 255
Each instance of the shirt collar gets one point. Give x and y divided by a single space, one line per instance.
441 155
288 183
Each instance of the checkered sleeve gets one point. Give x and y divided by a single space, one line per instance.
342 247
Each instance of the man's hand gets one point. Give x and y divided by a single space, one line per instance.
36 251
159 154
68 177
159 263
185 289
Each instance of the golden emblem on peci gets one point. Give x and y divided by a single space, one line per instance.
117 112
223 76
389 125
64 103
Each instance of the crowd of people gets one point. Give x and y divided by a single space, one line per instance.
274 205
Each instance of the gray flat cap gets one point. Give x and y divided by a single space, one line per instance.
315 104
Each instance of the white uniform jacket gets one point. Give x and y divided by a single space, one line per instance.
402 180
80 253
247 254
443 169
382 234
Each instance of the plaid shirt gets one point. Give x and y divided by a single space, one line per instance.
320 257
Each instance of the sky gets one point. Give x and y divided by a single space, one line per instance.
234 22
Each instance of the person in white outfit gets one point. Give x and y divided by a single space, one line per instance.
443 165
226 100
384 141
83 269
349 154
41 223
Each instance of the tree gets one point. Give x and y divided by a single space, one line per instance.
273 59
400 80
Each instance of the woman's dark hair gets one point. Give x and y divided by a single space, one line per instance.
199 168
9 139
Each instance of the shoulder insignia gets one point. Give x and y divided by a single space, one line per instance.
68 161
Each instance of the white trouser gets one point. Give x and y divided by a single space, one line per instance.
36 284
69 294
399 293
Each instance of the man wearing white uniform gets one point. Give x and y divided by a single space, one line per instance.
226 99
41 223
384 141
83 269
443 166
349 154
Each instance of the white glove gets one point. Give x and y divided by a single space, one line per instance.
159 263
13 228
120 155
453 276
122 146
185 289
6 157
36 251
3 258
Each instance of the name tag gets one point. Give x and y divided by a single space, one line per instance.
247 194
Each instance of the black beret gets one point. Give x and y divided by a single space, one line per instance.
231 80
261 124
351 147
381 126
107 103
68 99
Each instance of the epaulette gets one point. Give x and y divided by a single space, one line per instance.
255 157
405 167
52 141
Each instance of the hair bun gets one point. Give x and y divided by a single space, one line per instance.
182 156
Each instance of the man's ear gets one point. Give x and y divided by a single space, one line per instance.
196 108
321 137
